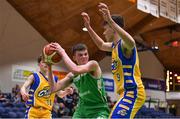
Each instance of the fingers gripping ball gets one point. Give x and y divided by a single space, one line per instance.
50 55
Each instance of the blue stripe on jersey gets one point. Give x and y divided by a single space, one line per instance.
43 76
128 70
33 87
128 61
128 77
56 78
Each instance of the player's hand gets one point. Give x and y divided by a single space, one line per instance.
47 60
49 66
86 19
55 46
70 75
25 95
69 90
103 8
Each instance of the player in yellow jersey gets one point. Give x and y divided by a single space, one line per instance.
125 63
38 99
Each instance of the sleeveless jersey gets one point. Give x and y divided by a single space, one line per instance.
126 72
38 92
91 90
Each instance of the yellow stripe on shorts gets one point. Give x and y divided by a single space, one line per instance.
129 95
127 66
124 106
129 81
127 74
128 101
130 92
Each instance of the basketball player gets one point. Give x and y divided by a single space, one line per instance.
88 80
39 102
125 63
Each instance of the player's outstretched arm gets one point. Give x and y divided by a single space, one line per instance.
26 84
63 93
105 46
51 80
128 41
62 84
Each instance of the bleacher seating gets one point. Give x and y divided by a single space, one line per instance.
145 112
12 111
17 110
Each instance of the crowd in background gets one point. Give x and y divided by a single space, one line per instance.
12 106
63 107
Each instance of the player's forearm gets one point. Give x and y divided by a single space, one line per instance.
126 37
97 40
63 83
66 82
23 89
69 63
50 79
26 85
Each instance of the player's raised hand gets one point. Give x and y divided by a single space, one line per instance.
56 47
103 8
86 19
70 75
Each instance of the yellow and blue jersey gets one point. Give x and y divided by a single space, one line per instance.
40 102
127 77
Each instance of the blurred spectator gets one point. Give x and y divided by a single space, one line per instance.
110 103
2 97
15 90
63 110
60 100
63 107
17 98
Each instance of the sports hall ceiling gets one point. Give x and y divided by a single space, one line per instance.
60 21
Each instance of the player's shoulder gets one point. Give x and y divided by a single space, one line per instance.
33 75
93 62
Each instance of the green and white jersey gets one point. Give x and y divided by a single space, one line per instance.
91 90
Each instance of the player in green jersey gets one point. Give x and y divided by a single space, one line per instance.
88 80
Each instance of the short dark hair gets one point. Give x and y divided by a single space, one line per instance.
40 58
117 19
79 47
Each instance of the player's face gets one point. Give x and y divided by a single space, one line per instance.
108 33
81 57
43 66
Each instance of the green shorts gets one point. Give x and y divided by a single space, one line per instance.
93 112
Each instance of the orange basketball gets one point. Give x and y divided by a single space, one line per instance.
50 55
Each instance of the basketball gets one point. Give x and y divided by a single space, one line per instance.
50 55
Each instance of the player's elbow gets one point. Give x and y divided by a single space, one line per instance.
100 47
